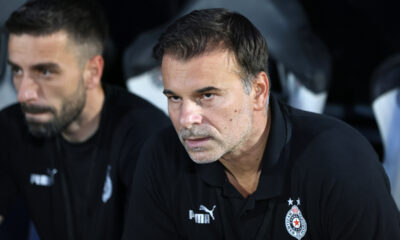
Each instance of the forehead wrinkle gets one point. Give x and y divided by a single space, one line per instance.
229 59
221 61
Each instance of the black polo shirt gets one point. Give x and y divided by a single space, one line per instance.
320 179
76 190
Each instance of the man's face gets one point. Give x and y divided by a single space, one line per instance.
207 105
49 80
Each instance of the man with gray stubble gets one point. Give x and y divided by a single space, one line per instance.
240 164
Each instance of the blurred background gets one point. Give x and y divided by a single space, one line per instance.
336 57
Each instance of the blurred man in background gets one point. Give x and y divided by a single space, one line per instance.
70 146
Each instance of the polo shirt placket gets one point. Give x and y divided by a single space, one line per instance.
248 218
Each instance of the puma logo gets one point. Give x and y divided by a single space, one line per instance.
202 218
211 212
43 179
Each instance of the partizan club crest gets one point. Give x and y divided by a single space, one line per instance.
295 223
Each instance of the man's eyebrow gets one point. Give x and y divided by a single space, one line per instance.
11 63
207 89
199 91
49 65
168 92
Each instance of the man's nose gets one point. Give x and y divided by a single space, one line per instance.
27 90
190 114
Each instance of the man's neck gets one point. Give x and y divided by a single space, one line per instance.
88 121
243 171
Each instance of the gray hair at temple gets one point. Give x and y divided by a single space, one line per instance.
203 31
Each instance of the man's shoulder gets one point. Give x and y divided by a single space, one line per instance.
166 143
330 145
13 110
321 129
14 134
11 117
305 127
165 152
121 98
330 155
127 108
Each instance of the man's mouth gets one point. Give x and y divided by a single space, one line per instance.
36 113
42 117
196 142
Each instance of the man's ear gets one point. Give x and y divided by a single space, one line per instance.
93 72
260 90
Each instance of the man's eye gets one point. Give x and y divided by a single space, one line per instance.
174 98
45 72
207 96
16 71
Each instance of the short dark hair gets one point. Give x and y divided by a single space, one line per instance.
83 20
206 30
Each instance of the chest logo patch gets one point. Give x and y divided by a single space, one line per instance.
45 180
295 223
202 218
108 187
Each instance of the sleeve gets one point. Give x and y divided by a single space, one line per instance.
8 187
358 203
149 213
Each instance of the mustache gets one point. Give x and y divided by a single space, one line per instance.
198 132
35 108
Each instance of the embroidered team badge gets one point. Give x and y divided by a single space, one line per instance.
295 223
108 187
